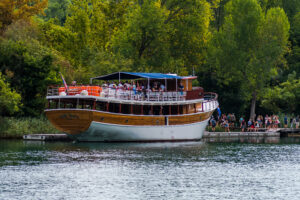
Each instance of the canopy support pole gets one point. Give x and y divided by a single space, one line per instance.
176 90
91 81
165 85
119 77
148 88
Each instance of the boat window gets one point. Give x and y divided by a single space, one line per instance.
156 110
52 104
174 109
137 109
101 106
125 108
147 110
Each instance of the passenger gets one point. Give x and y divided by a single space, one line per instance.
120 85
155 88
162 88
112 85
134 87
105 85
127 86
181 88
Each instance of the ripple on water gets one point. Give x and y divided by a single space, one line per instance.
149 171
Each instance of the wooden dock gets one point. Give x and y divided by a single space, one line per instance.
207 135
289 132
47 137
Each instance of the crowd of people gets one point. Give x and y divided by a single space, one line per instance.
229 121
139 86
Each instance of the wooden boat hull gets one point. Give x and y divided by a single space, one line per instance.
90 125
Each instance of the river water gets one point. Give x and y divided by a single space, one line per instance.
191 170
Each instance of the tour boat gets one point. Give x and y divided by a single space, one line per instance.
139 107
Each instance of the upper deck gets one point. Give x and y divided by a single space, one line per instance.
146 93
125 94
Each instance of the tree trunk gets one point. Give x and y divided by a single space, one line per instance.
253 104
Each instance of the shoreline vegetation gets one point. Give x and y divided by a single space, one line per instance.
15 128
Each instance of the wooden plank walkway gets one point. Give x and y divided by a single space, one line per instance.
47 137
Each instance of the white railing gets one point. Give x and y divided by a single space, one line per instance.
142 95
210 102
119 94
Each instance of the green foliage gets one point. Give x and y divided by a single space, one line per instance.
17 127
10 100
284 97
57 9
166 36
30 70
250 46
294 56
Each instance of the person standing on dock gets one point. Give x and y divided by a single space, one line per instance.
297 121
241 120
285 121
213 124
291 122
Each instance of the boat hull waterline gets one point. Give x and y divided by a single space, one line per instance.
101 132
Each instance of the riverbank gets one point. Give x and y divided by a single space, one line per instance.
16 128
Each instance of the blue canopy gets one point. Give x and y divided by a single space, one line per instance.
136 75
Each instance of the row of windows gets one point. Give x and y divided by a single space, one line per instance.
123 108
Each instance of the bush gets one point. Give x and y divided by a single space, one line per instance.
17 127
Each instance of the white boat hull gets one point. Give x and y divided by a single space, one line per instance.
103 132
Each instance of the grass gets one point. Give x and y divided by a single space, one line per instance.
17 127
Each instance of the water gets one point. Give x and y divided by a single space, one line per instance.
194 170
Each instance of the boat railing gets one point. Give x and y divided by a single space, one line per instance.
117 93
210 101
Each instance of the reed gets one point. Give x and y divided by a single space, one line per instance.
11 127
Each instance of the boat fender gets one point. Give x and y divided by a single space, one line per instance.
62 94
84 93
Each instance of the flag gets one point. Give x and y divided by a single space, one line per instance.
65 83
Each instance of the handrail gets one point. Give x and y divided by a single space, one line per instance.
213 96
128 94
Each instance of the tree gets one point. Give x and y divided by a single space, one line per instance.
14 10
294 56
285 97
165 36
250 47
57 9
10 100
29 68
